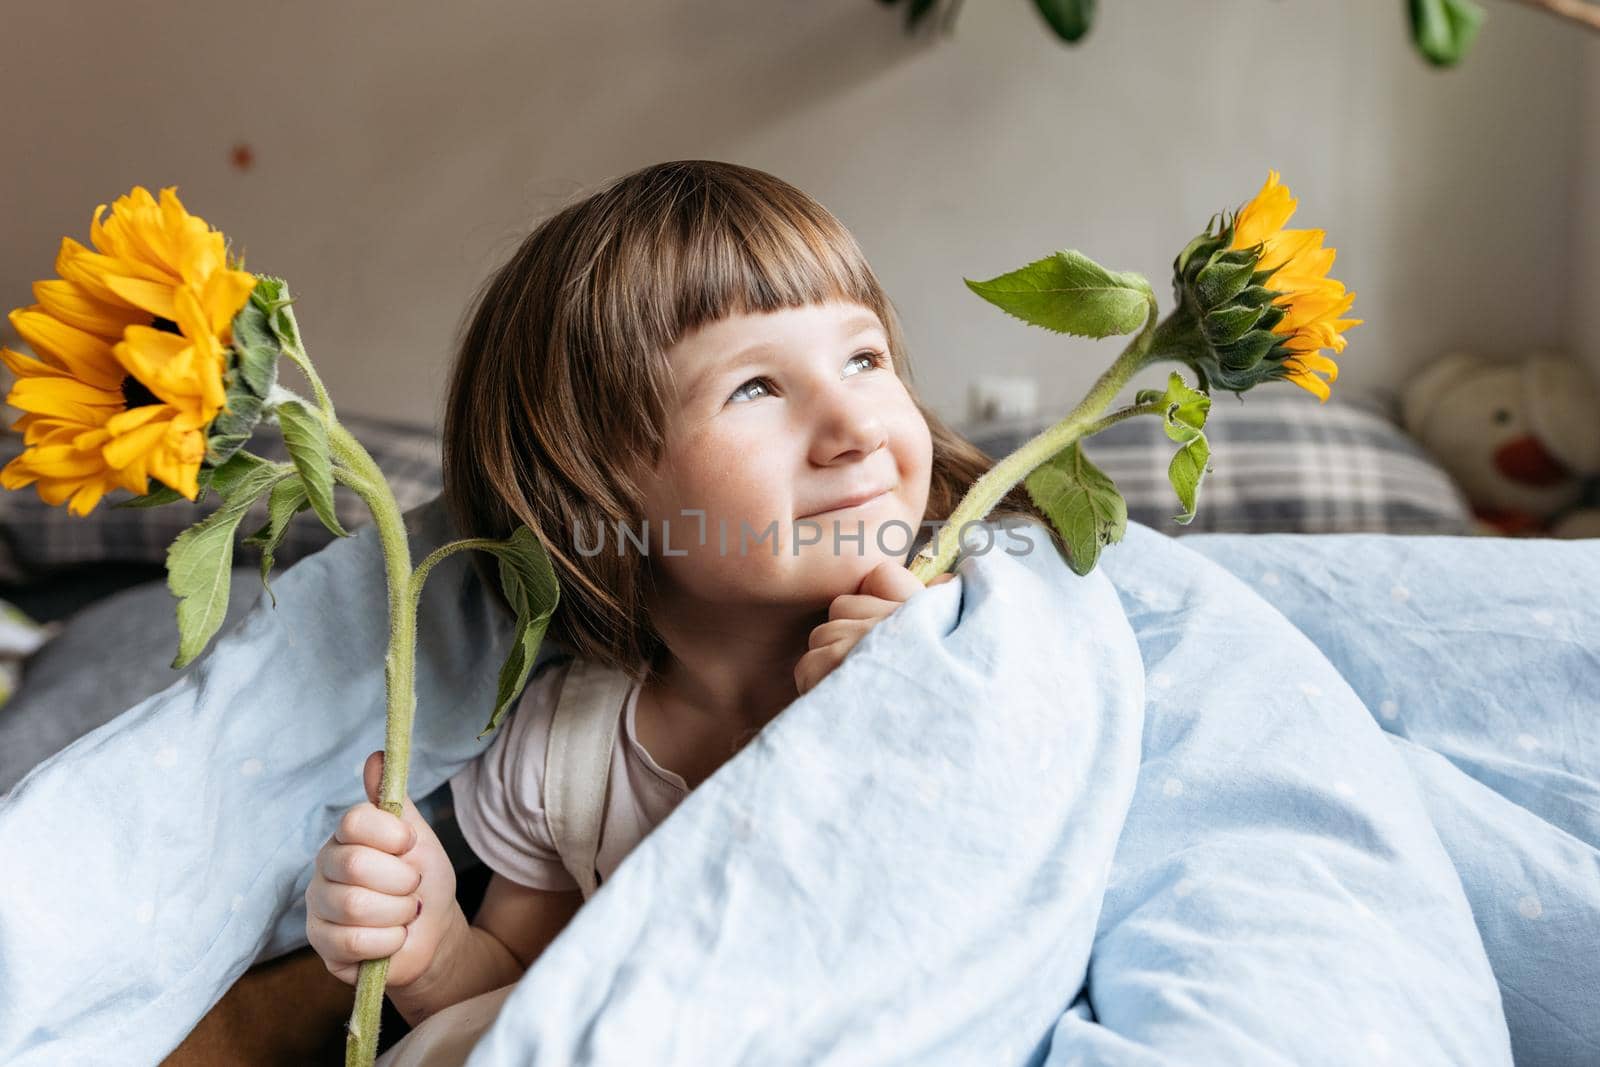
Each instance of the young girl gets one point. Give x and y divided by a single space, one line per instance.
696 347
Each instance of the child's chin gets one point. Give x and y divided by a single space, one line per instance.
829 575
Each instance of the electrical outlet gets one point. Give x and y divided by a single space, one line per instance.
991 398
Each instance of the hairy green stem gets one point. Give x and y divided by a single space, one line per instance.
358 470
1131 411
296 351
1000 479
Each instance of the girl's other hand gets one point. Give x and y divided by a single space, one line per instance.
383 886
886 587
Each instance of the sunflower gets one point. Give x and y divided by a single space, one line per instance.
132 341
1311 301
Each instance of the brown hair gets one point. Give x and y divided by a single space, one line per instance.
561 385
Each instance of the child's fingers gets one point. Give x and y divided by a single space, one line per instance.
891 581
838 630
354 905
366 866
372 779
343 946
367 824
817 664
859 606
945 577
372 775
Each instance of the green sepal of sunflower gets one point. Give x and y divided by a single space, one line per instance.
250 374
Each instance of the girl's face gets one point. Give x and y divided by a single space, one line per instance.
790 425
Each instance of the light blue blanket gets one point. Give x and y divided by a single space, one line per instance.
1148 816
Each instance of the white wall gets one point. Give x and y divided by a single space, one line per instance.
1585 220
403 149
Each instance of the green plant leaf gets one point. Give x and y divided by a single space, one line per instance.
164 494
1070 19
232 427
287 499
226 478
200 562
1184 419
1443 30
1188 466
1081 502
306 436
254 340
1070 293
529 582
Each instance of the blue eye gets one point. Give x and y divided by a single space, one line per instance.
874 358
737 393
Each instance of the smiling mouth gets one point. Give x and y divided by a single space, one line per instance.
848 505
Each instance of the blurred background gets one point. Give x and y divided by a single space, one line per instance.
385 158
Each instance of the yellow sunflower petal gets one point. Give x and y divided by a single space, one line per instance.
87 439
73 267
1313 361
54 492
133 418
153 297
17 474
87 496
63 398
201 255
1266 214
99 266
134 232
78 308
225 293
81 354
122 451
178 464
64 461
25 367
183 372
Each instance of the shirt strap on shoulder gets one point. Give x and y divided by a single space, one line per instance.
583 733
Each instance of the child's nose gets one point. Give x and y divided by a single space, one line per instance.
848 427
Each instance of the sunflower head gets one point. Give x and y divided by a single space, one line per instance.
1255 303
136 357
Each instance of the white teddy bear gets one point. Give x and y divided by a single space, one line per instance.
1522 439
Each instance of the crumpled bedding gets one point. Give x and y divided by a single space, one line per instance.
1330 801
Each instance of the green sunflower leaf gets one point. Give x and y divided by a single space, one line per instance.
233 427
1184 419
200 562
1070 19
1443 30
254 339
287 499
163 494
227 478
1070 293
529 582
306 436
1081 502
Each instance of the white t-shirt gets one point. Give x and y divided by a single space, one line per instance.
499 799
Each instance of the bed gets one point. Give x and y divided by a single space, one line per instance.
1282 465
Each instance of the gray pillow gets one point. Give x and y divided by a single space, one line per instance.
108 657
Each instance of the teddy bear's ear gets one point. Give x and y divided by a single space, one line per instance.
1425 389
1562 405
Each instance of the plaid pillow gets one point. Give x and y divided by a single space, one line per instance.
37 540
1280 462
